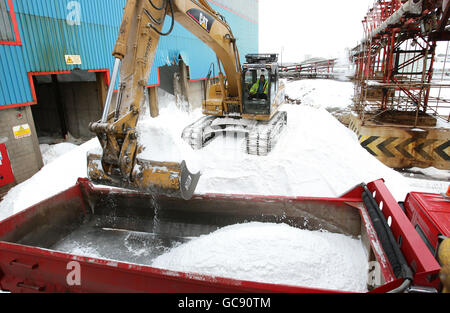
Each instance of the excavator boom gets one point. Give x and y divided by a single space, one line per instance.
134 52
119 164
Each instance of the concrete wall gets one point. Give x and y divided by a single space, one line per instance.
82 107
24 153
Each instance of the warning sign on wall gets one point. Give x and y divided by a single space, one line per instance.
73 59
22 131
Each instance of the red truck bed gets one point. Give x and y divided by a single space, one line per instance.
29 261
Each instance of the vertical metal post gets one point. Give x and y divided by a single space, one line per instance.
442 77
422 81
430 74
111 90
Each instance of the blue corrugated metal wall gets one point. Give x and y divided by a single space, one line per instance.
46 37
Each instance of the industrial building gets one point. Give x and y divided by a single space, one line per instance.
55 65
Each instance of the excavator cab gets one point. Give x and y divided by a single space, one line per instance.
257 65
261 119
255 105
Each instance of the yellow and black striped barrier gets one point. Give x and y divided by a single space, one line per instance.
403 147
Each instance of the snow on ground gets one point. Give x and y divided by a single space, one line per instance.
161 136
274 253
52 152
427 185
323 93
316 156
432 172
58 175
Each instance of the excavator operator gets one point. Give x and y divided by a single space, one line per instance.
260 89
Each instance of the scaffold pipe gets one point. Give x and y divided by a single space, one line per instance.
410 7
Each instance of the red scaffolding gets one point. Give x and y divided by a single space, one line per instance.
396 59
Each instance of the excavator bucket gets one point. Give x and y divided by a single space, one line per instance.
167 178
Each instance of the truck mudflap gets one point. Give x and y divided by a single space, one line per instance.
28 264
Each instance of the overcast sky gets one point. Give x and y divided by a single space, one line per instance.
318 28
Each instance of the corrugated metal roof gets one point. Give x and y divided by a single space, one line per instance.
47 37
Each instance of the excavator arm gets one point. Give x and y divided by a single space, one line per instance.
134 52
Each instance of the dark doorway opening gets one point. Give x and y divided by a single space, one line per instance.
67 104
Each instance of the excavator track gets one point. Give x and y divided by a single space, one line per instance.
263 138
203 131
260 137
195 134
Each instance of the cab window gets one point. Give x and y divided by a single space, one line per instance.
251 77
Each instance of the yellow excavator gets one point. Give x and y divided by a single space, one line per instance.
229 106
